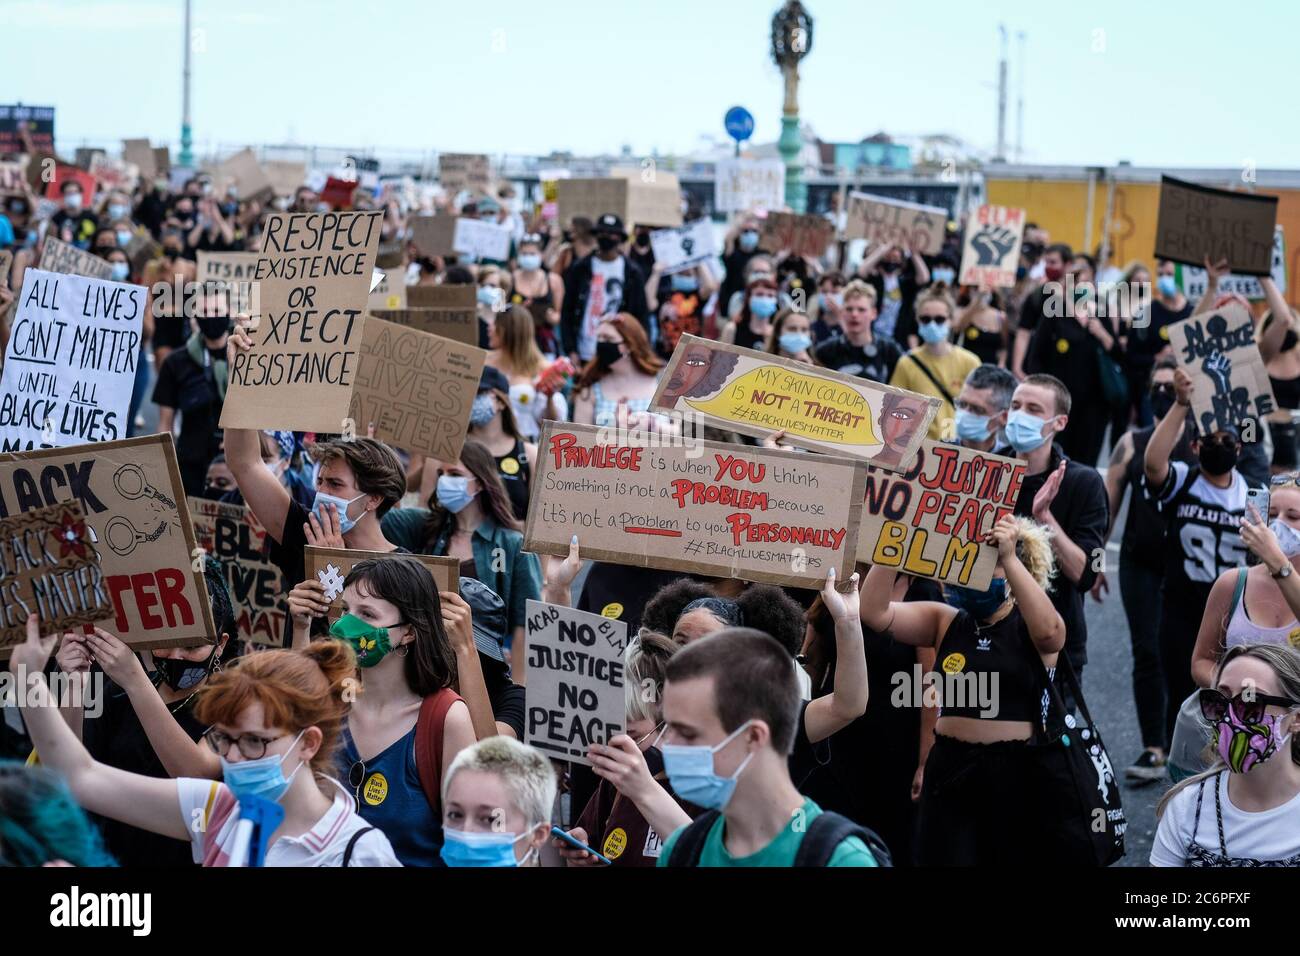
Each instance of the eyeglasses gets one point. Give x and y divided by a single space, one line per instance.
1277 480
1214 705
251 746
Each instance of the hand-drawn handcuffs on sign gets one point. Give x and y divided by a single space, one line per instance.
122 536
131 484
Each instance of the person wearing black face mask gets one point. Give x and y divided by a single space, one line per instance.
641 253
598 286
1202 505
192 381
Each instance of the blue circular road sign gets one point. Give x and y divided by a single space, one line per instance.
739 123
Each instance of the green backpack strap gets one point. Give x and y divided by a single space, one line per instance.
1238 590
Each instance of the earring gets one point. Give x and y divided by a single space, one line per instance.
401 650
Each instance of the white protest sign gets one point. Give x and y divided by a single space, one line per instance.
70 363
743 184
684 247
482 240
575 680
1194 281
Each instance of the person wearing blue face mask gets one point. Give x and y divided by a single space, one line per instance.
741 245
792 337
827 307
678 302
937 367
979 799
982 406
731 705
539 291
496 798
751 328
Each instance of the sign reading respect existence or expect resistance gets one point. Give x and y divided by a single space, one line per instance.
128 491
758 514
931 520
314 272
1230 383
575 680
70 362
757 393
232 535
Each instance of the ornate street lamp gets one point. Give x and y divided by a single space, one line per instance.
791 42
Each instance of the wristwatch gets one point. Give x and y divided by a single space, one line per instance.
1283 572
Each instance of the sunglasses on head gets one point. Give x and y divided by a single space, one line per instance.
1284 480
1214 705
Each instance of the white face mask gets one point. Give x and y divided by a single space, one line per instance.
1288 539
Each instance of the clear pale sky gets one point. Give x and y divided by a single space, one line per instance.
1193 84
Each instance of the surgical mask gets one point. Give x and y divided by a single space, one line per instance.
749 240
685 283
453 493
972 427
341 506
945 275
370 643
117 211
794 342
120 272
124 237
762 306
690 771
72 202
263 777
933 332
465 848
1025 431
1053 273
980 605
1166 286
607 353
1217 458
1244 746
489 295
483 410
530 262
1288 539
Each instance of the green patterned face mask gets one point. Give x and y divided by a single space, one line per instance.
370 643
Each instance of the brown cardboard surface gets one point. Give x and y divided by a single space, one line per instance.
911 225
59 256
233 535
460 325
1195 222
1230 383
331 565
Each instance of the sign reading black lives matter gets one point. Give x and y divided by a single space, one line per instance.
70 363
575 680
313 274
1230 383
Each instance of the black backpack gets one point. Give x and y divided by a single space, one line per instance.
826 832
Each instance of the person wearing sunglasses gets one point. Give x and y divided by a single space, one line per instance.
274 721
1254 708
936 367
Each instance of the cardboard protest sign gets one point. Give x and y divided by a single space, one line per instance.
313 275
416 388
459 325
129 492
992 250
234 272
434 235
457 171
13 178
48 564
906 224
246 174
656 203
481 240
113 174
1230 384
575 680
330 566
6 264
757 393
285 176
70 361
390 293
65 173
1195 222
932 519
162 161
59 256
801 235
455 295
233 535
1194 282
740 185
139 152
758 514
678 249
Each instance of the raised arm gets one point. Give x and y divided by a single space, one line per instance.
558 575
458 622
847 700
1155 463
262 491
1270 343
1044 624
919 623
621 763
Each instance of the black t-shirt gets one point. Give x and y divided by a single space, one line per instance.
287 554
1031 310
192 390
875 360
117 739
1146 340
627 587
82 224
508 707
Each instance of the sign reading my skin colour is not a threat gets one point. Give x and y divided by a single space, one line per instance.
314 273
756 393
758 514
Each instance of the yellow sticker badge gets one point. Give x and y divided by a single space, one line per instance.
613 610
1294 637
953 663
510 466
1062 346
615 843
375 791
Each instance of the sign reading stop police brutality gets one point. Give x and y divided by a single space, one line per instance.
313 274
758 514
757 393
932 519
992 248
575 680
234 536
128 491
70 363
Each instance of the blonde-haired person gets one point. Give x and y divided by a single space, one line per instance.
496 804
791 337
978 801
936 366
1254 706
515 354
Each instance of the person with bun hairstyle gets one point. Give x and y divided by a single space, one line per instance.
274 719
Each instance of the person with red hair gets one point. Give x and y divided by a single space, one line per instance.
624 371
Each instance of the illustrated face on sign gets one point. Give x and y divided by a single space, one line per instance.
480 802
900 415
700 372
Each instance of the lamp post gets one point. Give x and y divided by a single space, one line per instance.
186 157
791 42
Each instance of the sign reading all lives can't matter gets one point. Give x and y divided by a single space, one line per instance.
575 680
313 274
758 514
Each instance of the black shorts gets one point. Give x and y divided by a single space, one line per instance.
1284 444
170 332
